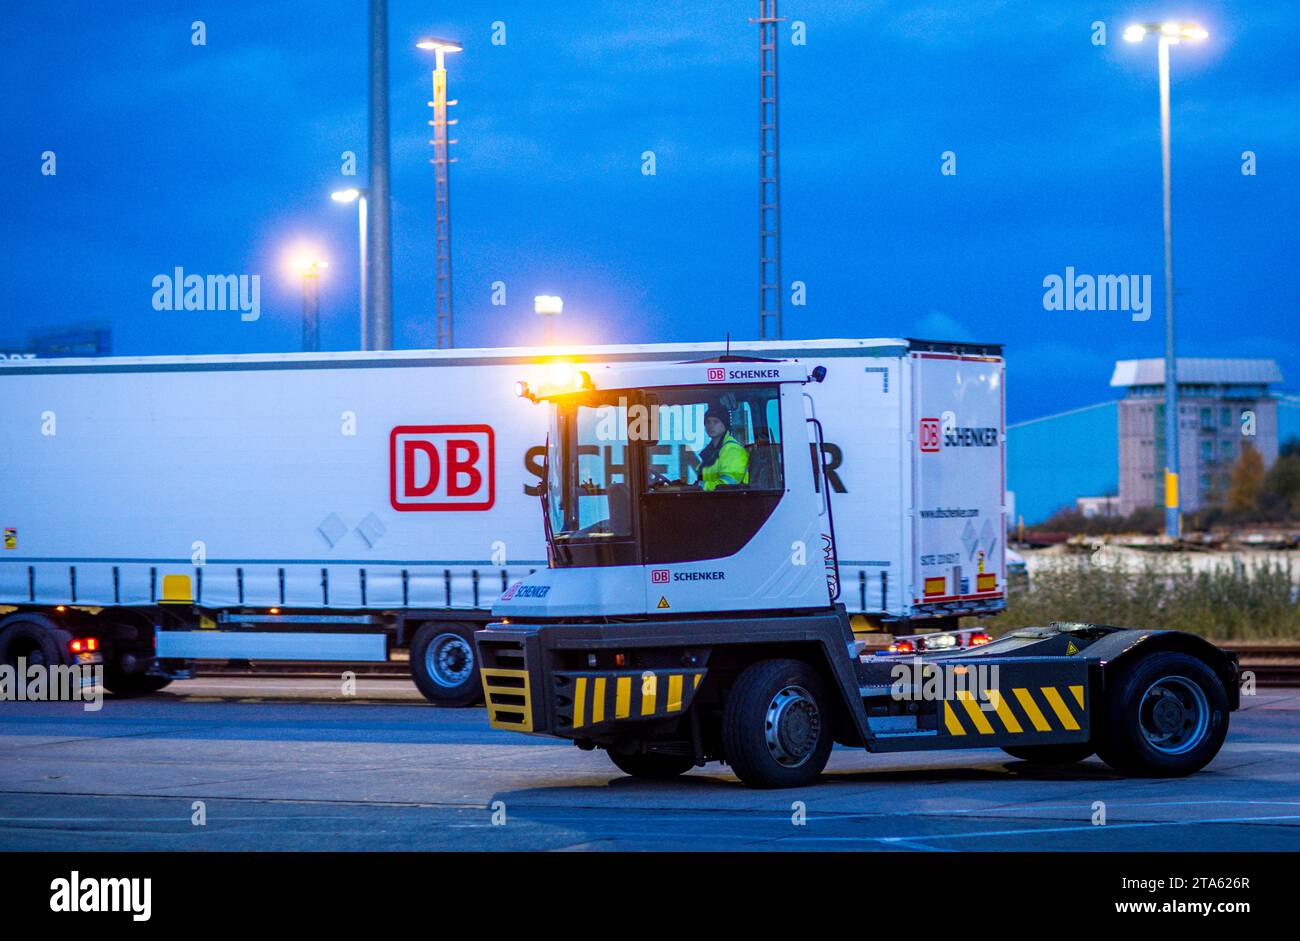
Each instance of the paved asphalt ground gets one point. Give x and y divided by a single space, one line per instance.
297 768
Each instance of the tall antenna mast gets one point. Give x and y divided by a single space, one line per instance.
769 176
442 161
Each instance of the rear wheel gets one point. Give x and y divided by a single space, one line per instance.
34 644
444 664
1166 715
652 765
776 725
1052 754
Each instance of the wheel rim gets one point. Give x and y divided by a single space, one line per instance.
1174 715
449 660
792 726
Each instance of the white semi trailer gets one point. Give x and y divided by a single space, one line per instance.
335 507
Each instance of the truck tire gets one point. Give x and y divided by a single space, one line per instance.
1053 754
652 766
776 725
132 684
1166 716
444 664
36 643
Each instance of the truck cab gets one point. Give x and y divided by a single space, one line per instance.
689 609
639 523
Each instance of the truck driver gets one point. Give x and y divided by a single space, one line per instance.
724 460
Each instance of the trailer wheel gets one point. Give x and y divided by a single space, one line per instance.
652 766
133 684
1052 754
776 725
34 643
1166 716
444 664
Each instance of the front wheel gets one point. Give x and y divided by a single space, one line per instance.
1166 716
652 766
776 725
444 665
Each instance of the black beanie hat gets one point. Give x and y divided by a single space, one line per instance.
721 414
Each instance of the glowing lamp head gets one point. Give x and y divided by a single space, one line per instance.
1134 33
432 44
346 196
1192 31
309 264
548 305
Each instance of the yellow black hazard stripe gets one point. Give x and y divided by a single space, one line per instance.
598 698
509 699
1023 710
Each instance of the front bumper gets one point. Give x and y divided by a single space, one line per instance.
532 681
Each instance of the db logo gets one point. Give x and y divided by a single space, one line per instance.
930 434
510 592
717 374
659 577
441 467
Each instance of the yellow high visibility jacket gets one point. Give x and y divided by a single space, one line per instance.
730 467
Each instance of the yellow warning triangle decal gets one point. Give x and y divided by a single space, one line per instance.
663 602
1070 649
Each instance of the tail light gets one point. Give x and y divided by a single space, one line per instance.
902 646
980 637
84 644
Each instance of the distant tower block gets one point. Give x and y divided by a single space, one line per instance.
769 174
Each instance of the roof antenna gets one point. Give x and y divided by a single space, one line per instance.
728 344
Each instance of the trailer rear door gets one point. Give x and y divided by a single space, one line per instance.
959 483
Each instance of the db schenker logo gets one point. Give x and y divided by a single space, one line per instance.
931 435
442 467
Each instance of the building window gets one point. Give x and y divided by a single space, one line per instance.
1205 483
1226 448
1207 451
1207 419
1225 417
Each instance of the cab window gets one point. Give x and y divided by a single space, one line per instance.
714 440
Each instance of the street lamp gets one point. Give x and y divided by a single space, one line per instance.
442 187
359 197
310 267
550 307
1168 34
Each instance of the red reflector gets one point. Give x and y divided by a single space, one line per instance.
620 660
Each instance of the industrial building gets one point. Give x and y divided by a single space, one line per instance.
1223 405
1047 471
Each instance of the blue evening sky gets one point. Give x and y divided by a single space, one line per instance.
220 158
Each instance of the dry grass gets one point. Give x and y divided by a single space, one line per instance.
1230 601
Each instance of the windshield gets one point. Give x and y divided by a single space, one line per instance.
588 496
